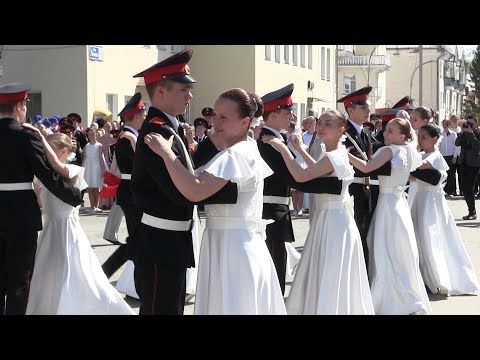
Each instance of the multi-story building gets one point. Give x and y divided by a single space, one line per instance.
83 78
443 79
362 65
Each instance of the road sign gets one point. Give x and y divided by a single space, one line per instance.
95 53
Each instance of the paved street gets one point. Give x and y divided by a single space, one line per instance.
454 305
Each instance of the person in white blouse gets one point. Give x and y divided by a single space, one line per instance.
447 149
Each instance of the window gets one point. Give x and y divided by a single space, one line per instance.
112 103
302 56
322 63
34 106
277 53
268 52
162 47
127 99
286 53
296 109
295 55
328 64
303 111
310 56
350 83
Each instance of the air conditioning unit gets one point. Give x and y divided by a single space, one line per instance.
310 85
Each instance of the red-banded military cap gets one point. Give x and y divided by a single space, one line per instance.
174 68
75 117
279 99
208 111
403 104
66 129
359 97
14 92
115 133
65 121
133 106
200 121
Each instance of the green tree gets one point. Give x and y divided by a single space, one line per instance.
471 105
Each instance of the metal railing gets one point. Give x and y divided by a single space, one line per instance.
375 60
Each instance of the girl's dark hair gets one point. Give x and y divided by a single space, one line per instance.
432 130
249 105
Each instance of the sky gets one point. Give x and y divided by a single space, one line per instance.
468 49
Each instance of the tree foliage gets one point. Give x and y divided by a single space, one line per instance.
471 105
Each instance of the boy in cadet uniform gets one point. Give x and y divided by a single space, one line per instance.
163 240
277 113
22 157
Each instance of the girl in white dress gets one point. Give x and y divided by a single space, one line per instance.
95 166
395 280
331 277
68 278
236 274
444 262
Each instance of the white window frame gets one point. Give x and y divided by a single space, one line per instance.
350 80
310 56
268 52
328 64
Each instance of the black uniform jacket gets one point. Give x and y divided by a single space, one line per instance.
385 169
155 194
204 152
21 157
280 184
124 154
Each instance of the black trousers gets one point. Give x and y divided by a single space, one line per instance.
470 175
120 256
17 259
451 185
458 169
279 256
362 213
162 288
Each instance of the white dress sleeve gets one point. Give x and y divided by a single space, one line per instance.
240 164
78 171
341 166
437 161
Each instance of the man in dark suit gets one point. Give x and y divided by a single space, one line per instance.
163 240
21 157
278 108
469 160
358 110
133 114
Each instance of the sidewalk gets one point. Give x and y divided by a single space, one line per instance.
93 225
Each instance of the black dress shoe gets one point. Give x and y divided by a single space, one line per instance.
470 217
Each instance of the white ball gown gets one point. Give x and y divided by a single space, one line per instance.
331 278
395 280
236 274
68 278
444 261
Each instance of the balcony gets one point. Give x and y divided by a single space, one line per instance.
346 50
375 61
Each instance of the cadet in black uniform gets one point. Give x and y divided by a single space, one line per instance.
277 188
21 157
134 114
358 110
163 240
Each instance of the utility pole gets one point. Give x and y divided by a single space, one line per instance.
420 76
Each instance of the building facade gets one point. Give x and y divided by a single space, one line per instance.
85 78
362 65
442 82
